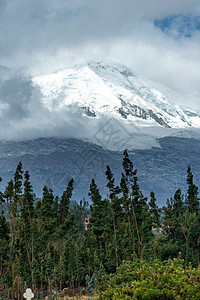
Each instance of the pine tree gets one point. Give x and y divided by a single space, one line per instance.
192 200
27 229
4 245
47 211
96 220
47 224
8 196
193 239
18 183
1 195
178 204
116 210
130 181
175 226
168 218
66 223
65 201
154 212
56 211
27 201
81 211
127 208
141 220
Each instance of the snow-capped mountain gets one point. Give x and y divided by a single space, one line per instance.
100 90
64 125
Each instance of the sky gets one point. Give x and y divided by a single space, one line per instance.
157 38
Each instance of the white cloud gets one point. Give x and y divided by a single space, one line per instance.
43 36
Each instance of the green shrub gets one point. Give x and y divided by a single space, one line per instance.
153 280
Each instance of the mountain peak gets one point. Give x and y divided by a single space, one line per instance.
100 89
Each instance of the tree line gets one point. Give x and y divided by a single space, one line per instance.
44 244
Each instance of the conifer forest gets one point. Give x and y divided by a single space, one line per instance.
120 247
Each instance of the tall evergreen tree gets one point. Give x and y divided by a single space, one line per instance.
125 200
154 212
192 199
65 201
27 230
27 201
116 207
66 222
178 204
130 181
18 184
96 220
140 219
47 210
4 247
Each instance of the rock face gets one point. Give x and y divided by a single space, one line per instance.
54 161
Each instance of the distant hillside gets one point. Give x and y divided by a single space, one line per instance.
54 161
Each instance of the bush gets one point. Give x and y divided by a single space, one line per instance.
153 280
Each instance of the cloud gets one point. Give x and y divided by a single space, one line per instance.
40 37
23 115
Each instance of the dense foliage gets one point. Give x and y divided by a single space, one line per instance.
44 244
154 280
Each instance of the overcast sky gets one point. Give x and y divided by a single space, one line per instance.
158 38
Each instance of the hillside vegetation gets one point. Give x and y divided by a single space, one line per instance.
126 251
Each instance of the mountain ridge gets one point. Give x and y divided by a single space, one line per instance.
101 90
54 161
